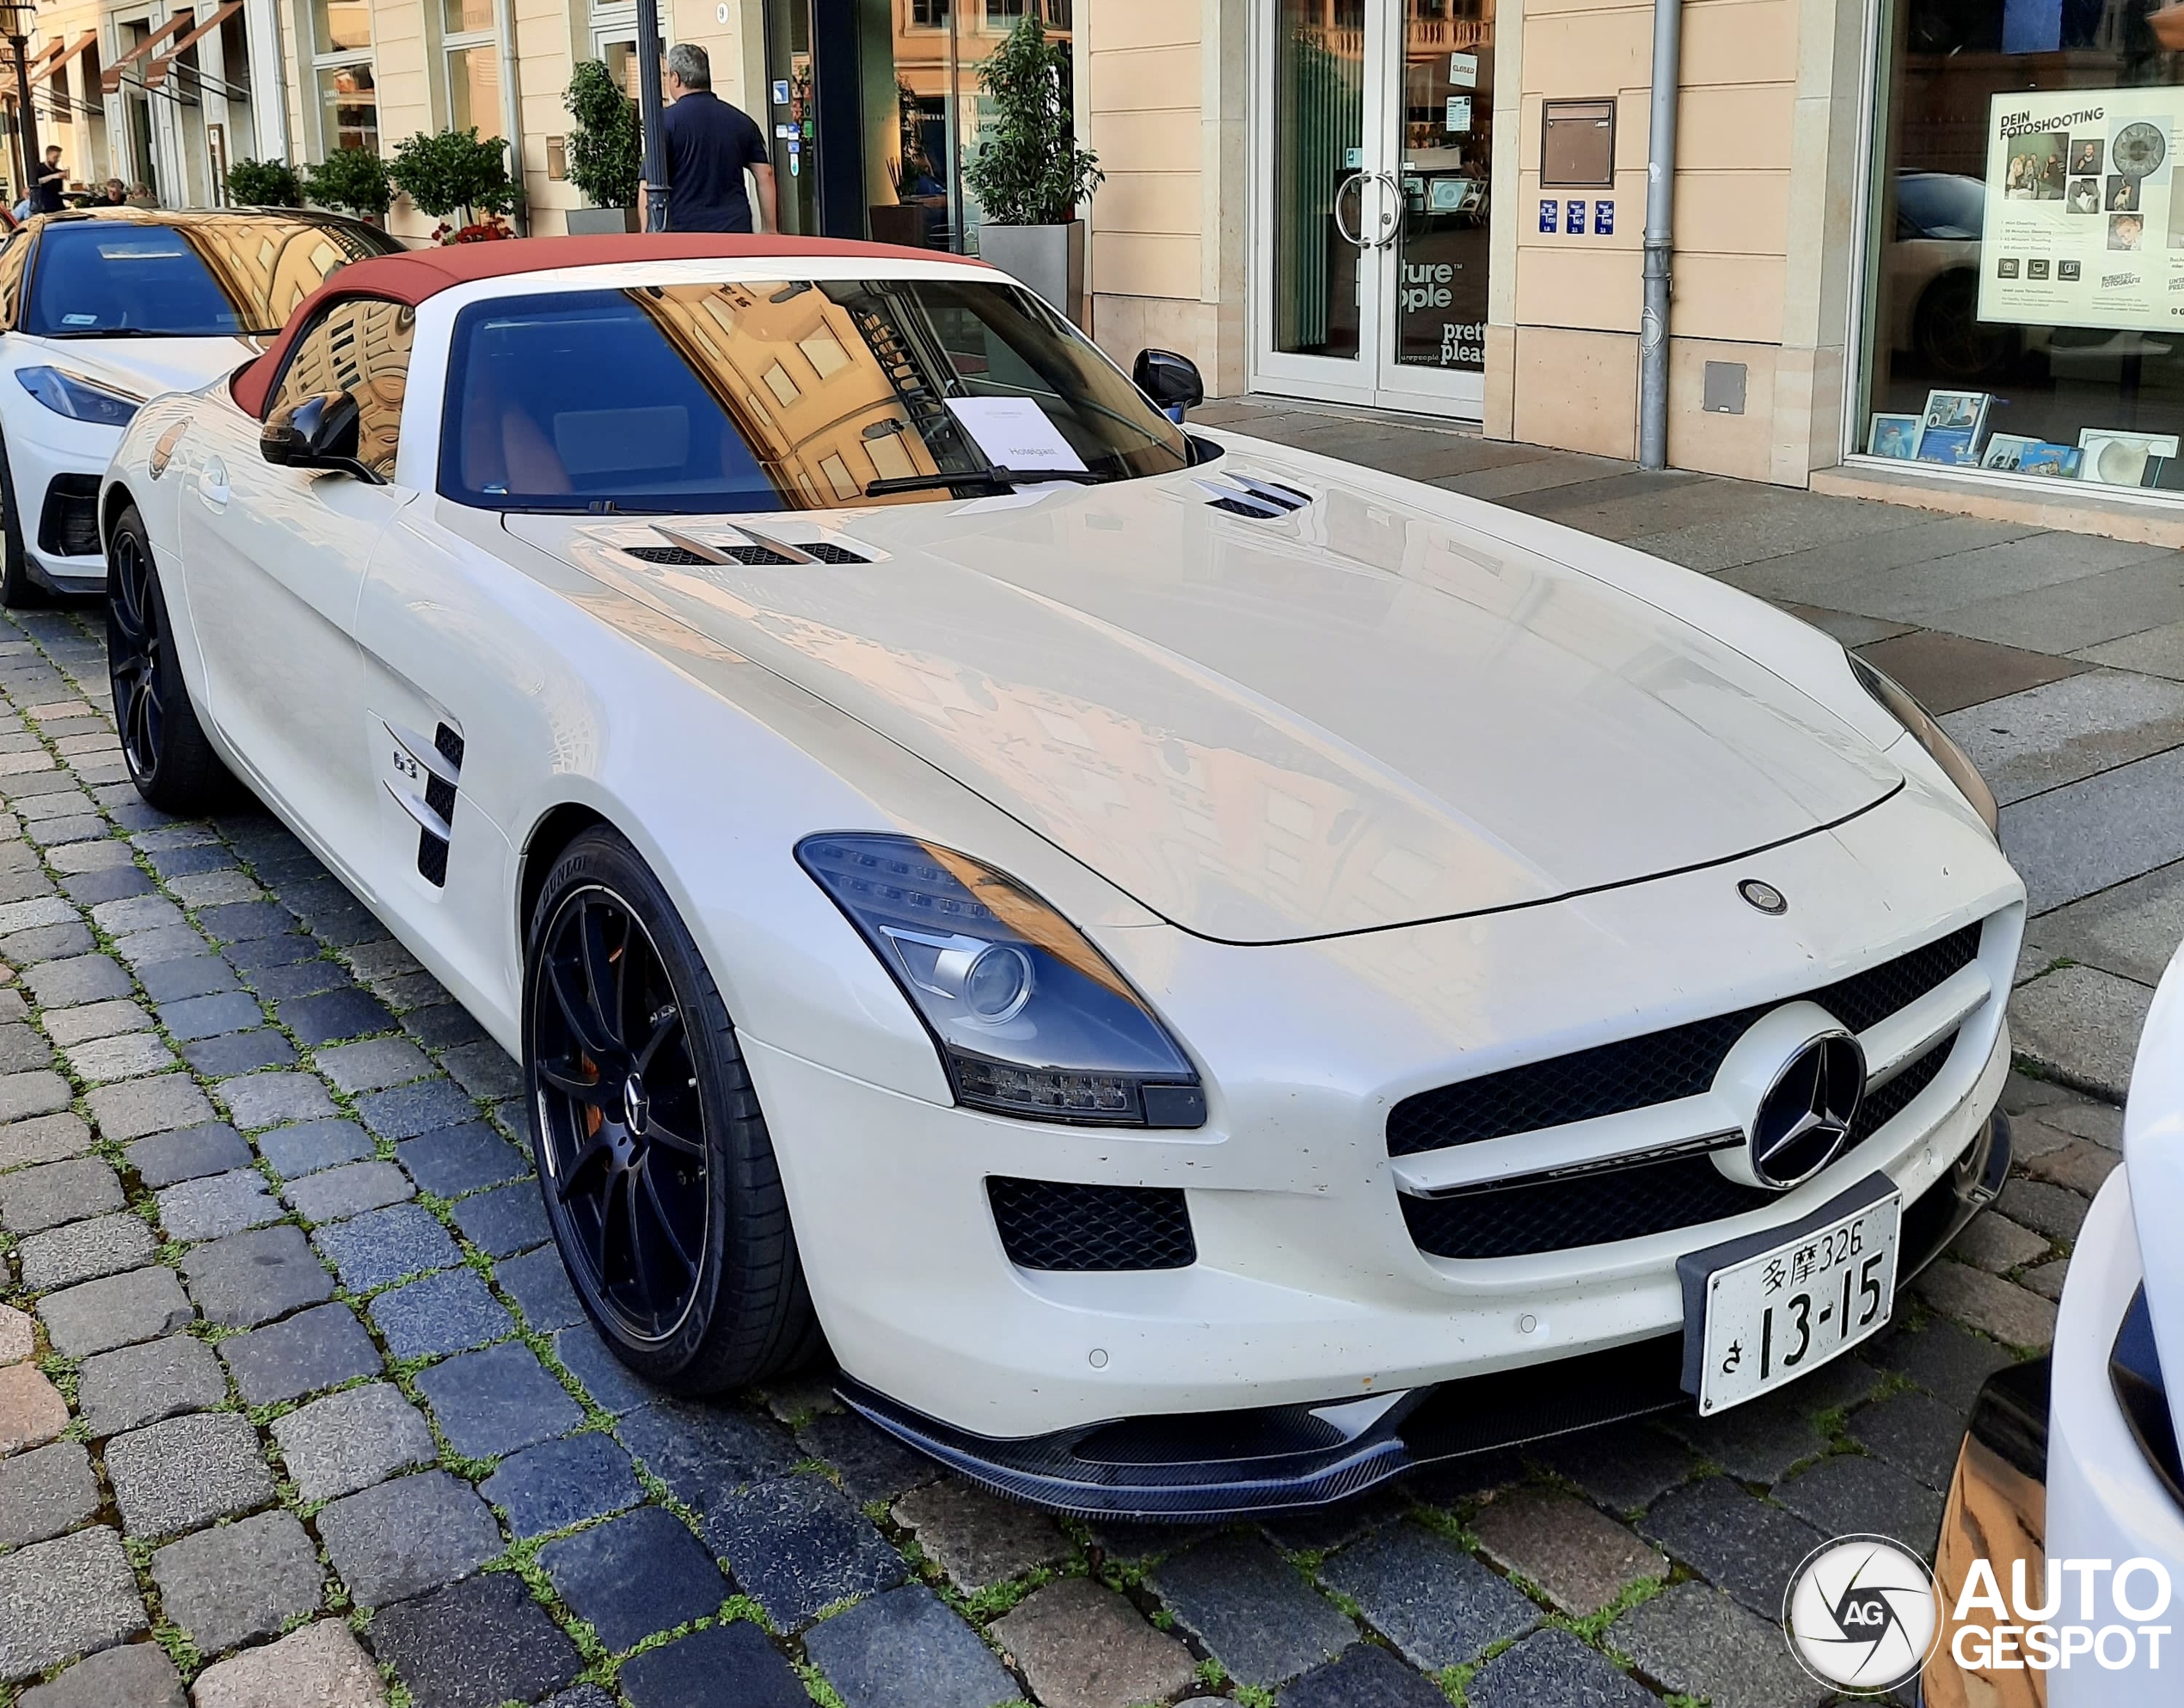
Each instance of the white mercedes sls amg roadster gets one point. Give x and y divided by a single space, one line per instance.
1208 975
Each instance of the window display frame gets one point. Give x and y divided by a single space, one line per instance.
1865 311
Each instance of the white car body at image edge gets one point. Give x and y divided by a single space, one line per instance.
2106 1499
1386 790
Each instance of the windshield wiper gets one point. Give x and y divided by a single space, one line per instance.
1001 477
124 332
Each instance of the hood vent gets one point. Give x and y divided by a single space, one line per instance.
685 551
1241 494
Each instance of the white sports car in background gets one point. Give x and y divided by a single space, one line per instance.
101 310
1209 975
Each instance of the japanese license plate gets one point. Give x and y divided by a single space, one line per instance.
1772 1314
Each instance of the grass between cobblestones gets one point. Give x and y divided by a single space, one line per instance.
1208 1655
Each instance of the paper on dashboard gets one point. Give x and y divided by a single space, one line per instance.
1014 433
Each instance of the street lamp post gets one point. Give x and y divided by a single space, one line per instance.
15 24
648 113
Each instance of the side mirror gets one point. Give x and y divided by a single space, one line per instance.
1171 381
324 431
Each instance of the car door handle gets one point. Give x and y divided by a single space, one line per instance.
213 484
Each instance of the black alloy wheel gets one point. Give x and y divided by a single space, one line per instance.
170 760
658 1174
136 655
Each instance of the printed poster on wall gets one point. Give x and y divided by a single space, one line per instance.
2084 218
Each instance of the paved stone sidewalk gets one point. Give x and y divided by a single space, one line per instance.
296 1406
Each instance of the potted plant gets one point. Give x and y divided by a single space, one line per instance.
352 181
452 170
1030 175
264 183
605 148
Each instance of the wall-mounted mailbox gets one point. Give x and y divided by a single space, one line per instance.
1578 144
1724 388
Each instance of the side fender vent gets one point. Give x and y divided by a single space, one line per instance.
439 795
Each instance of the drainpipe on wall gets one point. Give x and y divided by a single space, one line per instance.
1660 192
512 109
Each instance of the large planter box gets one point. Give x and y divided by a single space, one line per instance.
598 221
1048 258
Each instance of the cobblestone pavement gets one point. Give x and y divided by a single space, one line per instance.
296 1407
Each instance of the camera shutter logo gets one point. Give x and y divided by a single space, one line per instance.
1861 1613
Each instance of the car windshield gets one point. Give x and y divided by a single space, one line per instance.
198 279
782 395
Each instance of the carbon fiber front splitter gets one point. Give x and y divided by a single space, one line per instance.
1219 1464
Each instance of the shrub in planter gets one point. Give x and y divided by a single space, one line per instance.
1030 175
452 170
350 181
264 183
607 143
1030 170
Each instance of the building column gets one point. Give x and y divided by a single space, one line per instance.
268 90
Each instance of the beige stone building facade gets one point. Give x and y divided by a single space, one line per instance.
1924 243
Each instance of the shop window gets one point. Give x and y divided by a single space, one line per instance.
473 66
2024 296
342 70
341 26
349 105
474 88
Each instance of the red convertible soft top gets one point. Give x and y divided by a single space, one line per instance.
418 273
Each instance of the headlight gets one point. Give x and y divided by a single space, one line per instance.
1954 762
1030 1018
79 399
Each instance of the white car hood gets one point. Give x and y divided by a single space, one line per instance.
142 367
1359 716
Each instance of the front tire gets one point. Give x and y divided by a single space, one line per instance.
658 1172
18 591
170 760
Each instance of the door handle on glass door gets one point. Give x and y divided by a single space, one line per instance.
1391 224
213 484
1355 180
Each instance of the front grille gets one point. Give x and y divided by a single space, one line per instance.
1596 1209
1882 1107
1055 1224
70 525
1658 1068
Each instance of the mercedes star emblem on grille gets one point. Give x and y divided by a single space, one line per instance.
1804 1121
1764 896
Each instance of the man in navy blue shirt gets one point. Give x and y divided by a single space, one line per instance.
709 146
